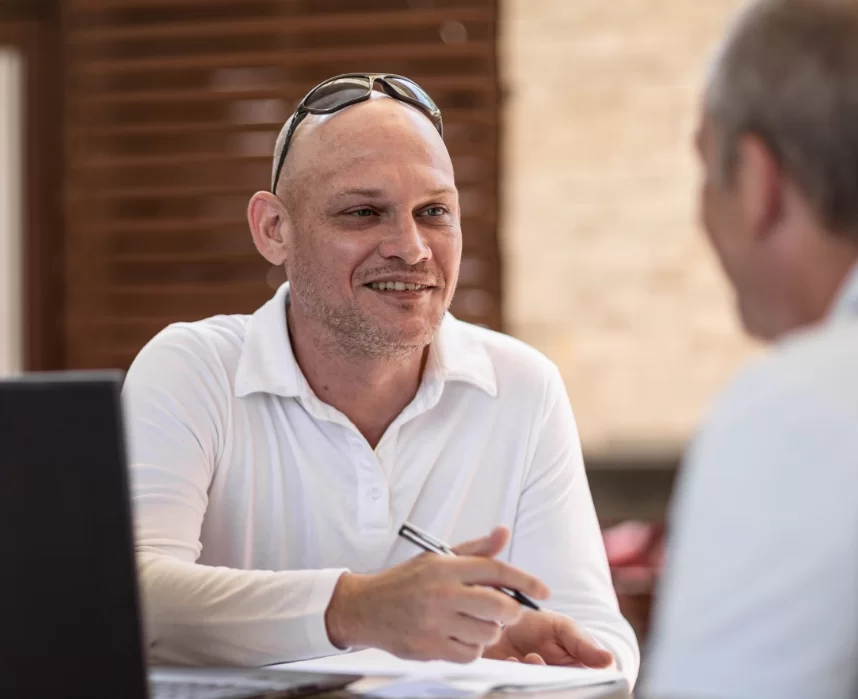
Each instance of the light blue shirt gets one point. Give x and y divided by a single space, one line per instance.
760 598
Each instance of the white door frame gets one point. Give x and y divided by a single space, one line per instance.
11 211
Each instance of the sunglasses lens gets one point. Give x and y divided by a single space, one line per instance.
411 90
335 93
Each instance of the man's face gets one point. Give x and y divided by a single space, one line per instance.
730 230
376 240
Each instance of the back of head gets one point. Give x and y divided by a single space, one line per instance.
788 74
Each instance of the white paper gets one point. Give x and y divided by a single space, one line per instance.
472 679
423 689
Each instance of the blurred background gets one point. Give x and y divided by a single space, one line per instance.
132 133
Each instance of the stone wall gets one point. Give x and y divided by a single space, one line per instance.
606 269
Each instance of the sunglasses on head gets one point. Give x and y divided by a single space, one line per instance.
343 91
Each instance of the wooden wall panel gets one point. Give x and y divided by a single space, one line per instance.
172 111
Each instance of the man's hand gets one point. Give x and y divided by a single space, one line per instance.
548 638
432 607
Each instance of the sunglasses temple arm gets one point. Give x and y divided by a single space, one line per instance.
299 117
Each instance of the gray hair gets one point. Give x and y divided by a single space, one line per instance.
788 74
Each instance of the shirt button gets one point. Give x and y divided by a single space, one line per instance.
375 493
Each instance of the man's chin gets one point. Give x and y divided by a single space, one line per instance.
406 336
405 342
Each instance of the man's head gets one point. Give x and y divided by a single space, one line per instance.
366 203
778 141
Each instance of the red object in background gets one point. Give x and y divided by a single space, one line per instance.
632 545
636 556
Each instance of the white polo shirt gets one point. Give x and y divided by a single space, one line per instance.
760 598
252 496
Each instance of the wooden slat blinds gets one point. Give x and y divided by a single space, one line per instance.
172 111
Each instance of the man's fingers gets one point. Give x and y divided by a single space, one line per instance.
493 573
473 631
490 605
487 546
583 648
461 652
534 659
596 657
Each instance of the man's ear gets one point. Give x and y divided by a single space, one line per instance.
270 226
760 186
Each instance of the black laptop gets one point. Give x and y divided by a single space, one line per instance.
69 614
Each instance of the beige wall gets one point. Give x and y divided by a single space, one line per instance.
607 271
10 213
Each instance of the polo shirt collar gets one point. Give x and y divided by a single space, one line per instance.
459 356
267 363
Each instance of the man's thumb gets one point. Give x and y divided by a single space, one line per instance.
487 546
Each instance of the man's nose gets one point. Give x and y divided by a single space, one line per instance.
406 241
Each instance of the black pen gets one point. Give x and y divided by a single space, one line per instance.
429 543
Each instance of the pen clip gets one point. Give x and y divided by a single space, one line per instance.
417 535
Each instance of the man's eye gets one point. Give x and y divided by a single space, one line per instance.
435 211
362 213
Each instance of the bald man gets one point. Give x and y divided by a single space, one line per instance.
275 456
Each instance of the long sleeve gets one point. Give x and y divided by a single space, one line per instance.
176 399
557 535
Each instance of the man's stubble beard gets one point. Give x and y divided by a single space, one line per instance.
353 332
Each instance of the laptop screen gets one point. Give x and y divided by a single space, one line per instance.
68 591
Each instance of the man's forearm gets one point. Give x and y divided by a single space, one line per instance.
197 614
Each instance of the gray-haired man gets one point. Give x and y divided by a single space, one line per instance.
761 594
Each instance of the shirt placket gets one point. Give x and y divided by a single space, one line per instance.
373 491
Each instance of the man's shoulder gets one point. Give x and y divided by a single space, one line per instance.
522 377
217 340
513 359
789 413
817 365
